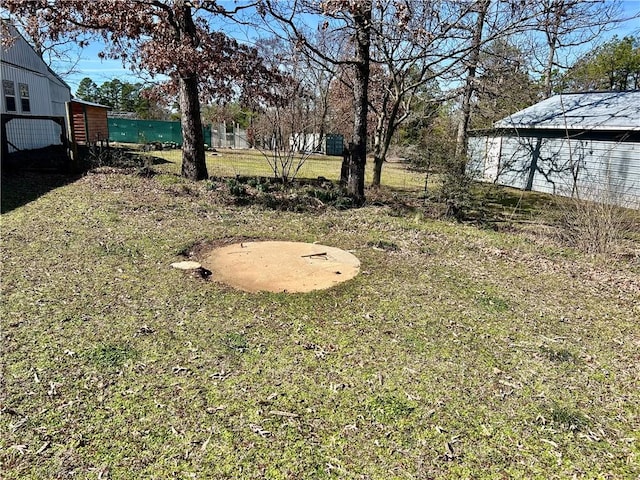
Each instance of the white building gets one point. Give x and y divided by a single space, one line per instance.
580 144
33 100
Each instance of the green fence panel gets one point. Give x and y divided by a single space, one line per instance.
121 130
147 131
334 144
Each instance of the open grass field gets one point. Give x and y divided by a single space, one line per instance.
458 352
228 163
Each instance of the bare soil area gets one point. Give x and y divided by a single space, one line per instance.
280 266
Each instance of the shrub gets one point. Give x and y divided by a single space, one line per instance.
595 223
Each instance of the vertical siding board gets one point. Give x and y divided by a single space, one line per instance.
97 121
514 162
80 134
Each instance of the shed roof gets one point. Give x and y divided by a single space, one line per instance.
580 111
90 104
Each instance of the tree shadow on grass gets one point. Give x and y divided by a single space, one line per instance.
20 188
493 205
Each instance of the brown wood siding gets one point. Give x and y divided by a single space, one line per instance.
79 134
93 119
97 121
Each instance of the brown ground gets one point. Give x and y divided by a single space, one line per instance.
280 266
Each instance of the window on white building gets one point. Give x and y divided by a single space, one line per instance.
9 90
25 105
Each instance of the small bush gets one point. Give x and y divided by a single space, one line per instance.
389 408
567 417
236 188
594 225
455 192
236 342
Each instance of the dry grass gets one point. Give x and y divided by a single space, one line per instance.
458 352
229 163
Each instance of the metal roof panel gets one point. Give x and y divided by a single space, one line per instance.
580 111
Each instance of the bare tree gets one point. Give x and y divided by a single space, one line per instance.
566 24
288 128
481 8
353 19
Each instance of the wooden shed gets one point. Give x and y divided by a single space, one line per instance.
88 122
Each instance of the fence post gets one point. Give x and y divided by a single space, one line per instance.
73 146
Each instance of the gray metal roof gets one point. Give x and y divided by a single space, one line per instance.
90 104
580 111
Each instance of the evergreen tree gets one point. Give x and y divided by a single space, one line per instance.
87 90
613 66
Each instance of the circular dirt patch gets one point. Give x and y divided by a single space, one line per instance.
280 266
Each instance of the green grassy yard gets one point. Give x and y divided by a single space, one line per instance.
228 163
458 352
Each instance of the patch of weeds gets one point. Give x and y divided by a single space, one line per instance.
261 185
344 202
322 194
236 342
111 355
569 418
389 408
168 179
211 185
383 245
146 172
268 200
558 355
236 188
492 302
119 249
186 249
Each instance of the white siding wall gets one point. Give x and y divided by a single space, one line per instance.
21 64
39 91
47 96
223 136
598 170
60 95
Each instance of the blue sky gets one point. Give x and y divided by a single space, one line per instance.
90 65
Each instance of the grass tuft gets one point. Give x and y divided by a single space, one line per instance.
110 355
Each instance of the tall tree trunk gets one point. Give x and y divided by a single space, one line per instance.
378 154
548 69
358 157
386 127
474 58
194 166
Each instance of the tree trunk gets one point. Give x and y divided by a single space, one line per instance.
474 58
355 182
548 69
194 166
387 125
346 161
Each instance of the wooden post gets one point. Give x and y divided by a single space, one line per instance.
73 146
